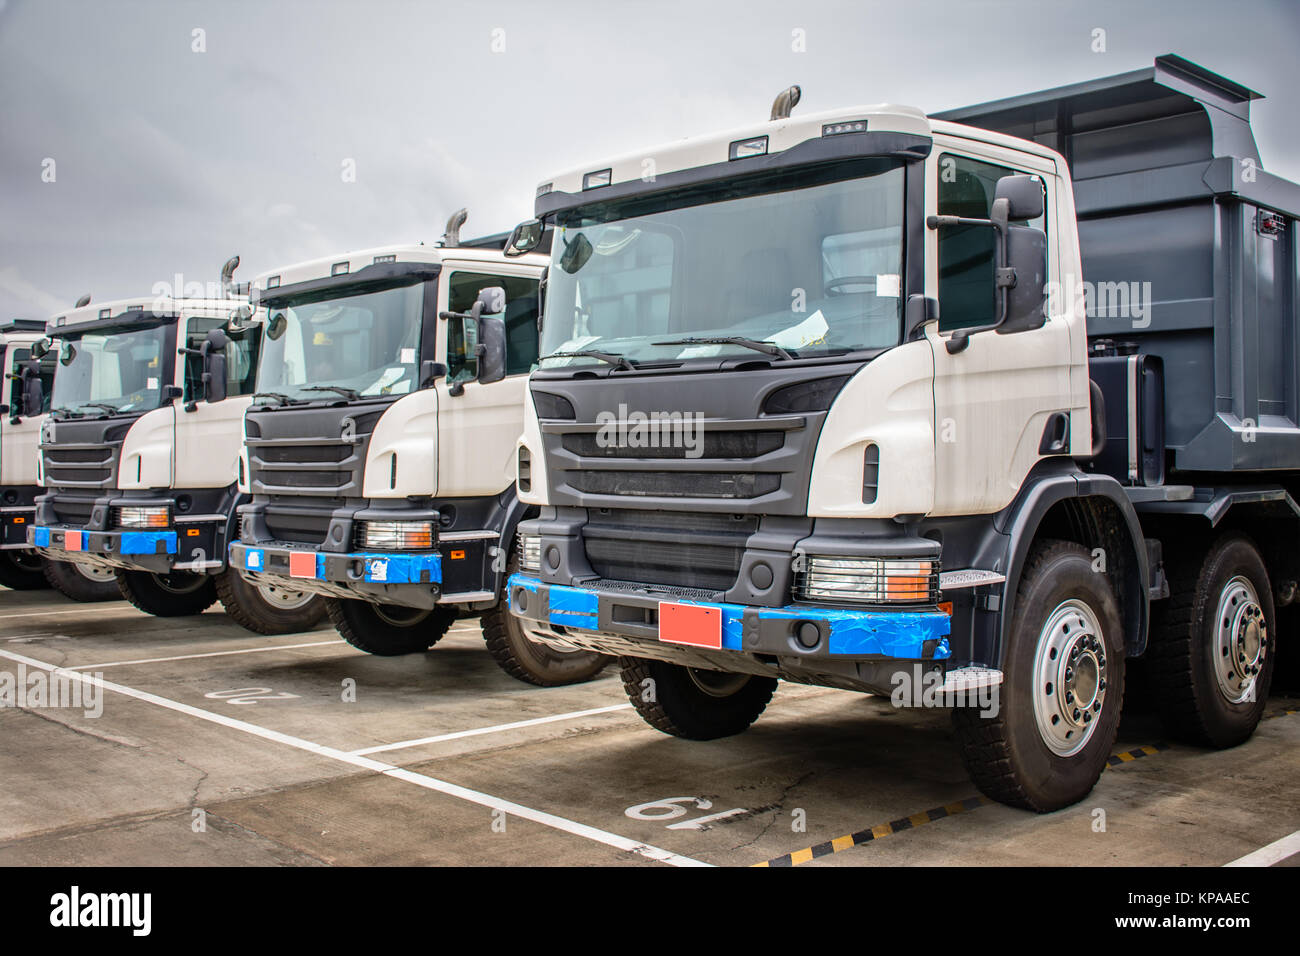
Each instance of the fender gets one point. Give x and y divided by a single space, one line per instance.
1022 520
514 511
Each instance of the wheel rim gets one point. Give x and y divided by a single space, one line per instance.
717 683
181 582
28 561
283 599
97 575
1240 640
1070 677
396 616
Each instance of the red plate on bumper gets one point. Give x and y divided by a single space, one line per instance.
690 624
302 564
72 541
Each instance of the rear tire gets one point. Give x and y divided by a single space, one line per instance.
1064 657
270 608
80 582
178 594
21 570
693 703
388 630
1213 643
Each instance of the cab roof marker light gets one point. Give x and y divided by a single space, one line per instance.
63 320
744 148
273 282
339 269
103 314
545 188
852 126
391 257
601 177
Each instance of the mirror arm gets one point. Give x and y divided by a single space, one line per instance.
1004 277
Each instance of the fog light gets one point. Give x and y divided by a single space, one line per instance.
396 535
135 516
530 553
868 580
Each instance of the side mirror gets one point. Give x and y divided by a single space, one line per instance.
214 366
41 347
1026 258
525 237
491 350
33 389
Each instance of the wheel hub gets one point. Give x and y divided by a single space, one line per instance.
1241 640
283 598
97 574
1070 672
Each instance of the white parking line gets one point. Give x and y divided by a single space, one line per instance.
74 610
402 744
1275 852
366 763
190 657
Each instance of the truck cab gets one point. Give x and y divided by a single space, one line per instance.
379 447
140 451
815 403
24 400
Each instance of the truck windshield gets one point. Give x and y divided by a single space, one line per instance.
808 260
366 343
112 371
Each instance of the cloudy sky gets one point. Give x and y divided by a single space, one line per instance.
173 150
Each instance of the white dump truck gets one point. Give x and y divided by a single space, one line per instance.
140 450
24 400
379 448
835 399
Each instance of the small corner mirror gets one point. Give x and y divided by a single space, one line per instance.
576 253
525 237
491 300
1024 196
241 317
41 347
276 326
67 352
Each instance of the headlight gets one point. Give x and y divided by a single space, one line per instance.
868 580
137 516
530 553
396 535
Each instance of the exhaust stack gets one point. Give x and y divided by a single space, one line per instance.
451 237
785 101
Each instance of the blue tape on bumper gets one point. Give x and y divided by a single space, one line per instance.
900 634
146 542
379 568
41 537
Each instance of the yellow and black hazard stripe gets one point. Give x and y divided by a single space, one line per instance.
928 816
875 833
1127 756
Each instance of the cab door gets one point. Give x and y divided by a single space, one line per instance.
478 425
209 436
20 434
993 399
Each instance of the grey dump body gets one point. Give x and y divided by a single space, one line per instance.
1189 252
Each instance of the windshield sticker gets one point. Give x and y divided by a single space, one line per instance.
407 357
887 285
151 383
573 345
699 351
811 331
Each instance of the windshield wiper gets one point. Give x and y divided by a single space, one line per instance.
63 410
612 358
104 405
351 394
765 347
280 396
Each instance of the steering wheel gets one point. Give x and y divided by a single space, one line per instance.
838 281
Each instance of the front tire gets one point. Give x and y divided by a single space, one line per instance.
532 661
1213 643
178 594
388 630
693 703
21 570
82 582
1062 690
268 608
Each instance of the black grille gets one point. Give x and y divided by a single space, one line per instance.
679 549
91 466
706 444
297 526
675 484
73 511
304 451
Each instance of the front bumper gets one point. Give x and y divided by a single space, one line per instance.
410 579
854 648
153 551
